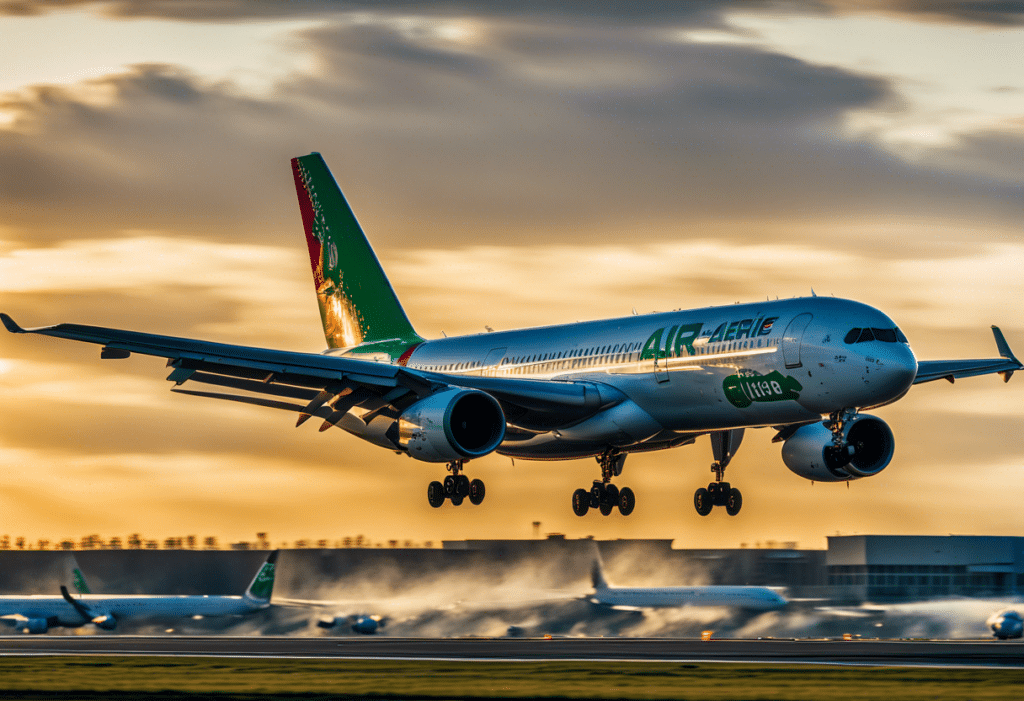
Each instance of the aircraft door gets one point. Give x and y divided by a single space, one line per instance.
792 339
494 357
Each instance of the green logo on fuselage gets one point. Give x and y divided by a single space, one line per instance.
671 344
677 341
773 387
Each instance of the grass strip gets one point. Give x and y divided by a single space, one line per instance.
173 678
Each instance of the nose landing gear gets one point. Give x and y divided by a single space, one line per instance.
456 488
604 495
720 493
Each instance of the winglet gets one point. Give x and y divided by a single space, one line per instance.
1004 351
10 324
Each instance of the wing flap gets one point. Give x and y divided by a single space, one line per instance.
303 376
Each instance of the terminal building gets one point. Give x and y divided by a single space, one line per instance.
853 569
887 568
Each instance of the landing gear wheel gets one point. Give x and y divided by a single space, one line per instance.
580 502
627 501
456 499
462 485
702 501
734 502
476 492
611 494
435 494
449 486
606 507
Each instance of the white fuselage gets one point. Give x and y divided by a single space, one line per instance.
129 607
748 598
675 375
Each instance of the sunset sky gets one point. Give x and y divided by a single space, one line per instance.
513 166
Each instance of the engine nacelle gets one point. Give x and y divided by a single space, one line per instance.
106 621
868 447
454 424
1006 624
34 625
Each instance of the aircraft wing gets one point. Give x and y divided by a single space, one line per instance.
322 385
1005 365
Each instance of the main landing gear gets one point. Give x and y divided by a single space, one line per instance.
604 495
720 493
456 487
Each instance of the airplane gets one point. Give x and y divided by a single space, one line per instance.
39 613
739 597
806 368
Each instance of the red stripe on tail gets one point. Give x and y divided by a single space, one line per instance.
308 217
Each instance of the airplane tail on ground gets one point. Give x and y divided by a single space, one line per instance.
78 579
358 306
262 586
71 575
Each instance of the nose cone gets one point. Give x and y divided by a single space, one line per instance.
896 373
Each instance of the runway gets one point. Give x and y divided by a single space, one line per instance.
855 652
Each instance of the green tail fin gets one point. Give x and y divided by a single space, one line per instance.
78 579
358 307
262 586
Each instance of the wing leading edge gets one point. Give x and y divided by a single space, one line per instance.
1005 365
327 386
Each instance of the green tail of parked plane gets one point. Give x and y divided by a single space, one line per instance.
805 368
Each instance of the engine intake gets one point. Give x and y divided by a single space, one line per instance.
867 448
453 424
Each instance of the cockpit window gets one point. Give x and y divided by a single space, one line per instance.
886 335
859 335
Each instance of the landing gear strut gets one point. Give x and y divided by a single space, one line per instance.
456 487
720 493
604 495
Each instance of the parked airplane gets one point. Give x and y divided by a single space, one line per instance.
740 597
39 613
804 367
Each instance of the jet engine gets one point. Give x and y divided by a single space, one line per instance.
1006 624
453 424
34 625
106 621
366 625
866 449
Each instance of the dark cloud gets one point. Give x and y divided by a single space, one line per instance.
699 13
548 132
702 13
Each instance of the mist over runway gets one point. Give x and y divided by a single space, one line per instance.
458 594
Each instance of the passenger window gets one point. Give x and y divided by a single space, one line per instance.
885 335
852 336
866 335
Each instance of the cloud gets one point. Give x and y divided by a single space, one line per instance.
701 13
512 167
984 13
